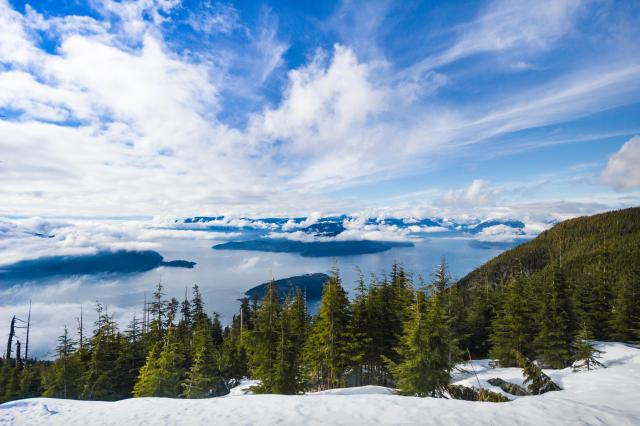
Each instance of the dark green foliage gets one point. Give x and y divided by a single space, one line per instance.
102 376
162 373
264 342
537 382
63 379
512 326
555 338
429 350
625 321
293 331
327 348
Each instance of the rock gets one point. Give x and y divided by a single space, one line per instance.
508 387
462 392
473 394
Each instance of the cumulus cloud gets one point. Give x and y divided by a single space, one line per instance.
623 167
477 193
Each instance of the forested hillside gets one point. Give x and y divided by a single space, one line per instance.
581 274
583 246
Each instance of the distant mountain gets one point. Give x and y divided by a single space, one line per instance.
309 284
331 226
516 224
120 261
312 248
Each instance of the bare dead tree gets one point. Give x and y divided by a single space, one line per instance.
80 329
12 333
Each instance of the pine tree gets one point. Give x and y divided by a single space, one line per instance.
199 383
362 326
429 350
64 379
203 376
162 373
625 319
292 335
512 329
264 341
481 312
100 380
554 341
586 354
327 348
537 382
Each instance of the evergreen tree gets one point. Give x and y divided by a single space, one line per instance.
586 354
327 348
264 341
555 338
100 379
198 383
429 350
64 378
292 335
481 312
362 322
537 382
625 319
512 328
162 373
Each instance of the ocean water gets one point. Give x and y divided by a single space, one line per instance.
223 277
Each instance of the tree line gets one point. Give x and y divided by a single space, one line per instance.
394 332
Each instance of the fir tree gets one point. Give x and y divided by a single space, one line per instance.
555 338
264 341
429 350
586 354
64 378
292 335
537 382
625 319
162 373
102 370
511 328
327 348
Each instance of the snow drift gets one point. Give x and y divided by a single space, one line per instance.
603 396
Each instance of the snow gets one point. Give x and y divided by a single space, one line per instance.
603 396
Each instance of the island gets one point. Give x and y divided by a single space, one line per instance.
118 261
309 284
313 248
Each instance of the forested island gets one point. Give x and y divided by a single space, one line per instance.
542 301
102 262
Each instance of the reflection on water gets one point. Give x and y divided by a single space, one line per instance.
223 277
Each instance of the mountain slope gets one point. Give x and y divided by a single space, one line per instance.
608 241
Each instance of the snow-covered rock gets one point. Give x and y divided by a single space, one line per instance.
607 396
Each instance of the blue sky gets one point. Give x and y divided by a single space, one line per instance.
168 107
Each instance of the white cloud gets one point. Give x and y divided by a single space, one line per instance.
478 193
503 26
116 122
623 167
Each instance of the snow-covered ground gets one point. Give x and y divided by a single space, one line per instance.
602 397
